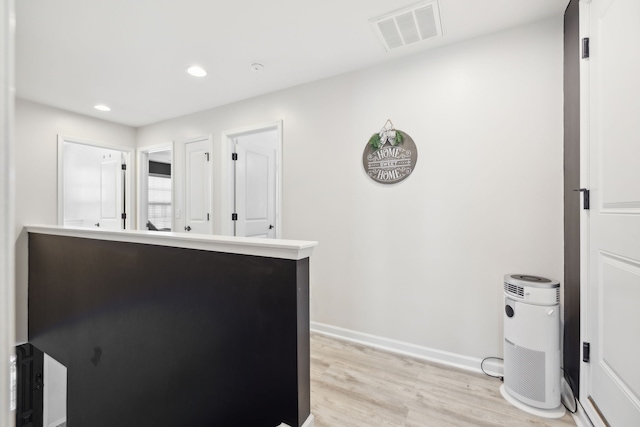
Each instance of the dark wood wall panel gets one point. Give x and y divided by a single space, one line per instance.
572 204
304 345
159 336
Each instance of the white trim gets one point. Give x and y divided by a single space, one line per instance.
142 154
141 186
581 419
273 248
226 183
400 347
310 422
584 17
584 181
57 423
92 143
7 225
129 154
60 180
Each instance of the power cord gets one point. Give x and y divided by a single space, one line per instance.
501 378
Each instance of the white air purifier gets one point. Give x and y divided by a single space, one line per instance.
532 345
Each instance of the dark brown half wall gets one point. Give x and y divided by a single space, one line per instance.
161 336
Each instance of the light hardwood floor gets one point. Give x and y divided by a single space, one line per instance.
354 385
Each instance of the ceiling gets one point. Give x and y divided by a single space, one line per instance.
132 54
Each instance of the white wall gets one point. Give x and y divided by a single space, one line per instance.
36 162
7 395
421 261
55 392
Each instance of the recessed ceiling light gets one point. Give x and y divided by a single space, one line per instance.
101 107
256 67
196 71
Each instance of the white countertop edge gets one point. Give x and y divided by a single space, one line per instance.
272 248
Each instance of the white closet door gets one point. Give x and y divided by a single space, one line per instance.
613 313
111 199
255 191
198 172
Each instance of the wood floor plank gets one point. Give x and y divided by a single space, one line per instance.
359 386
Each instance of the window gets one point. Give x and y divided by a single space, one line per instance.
159 205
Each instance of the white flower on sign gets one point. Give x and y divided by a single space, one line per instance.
388 135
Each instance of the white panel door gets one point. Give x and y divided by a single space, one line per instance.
111 199
255 190
198 187
614 219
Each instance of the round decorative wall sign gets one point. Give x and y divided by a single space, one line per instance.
390 155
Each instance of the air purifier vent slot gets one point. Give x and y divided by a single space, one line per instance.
514 290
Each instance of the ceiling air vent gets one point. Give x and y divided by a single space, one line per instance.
406 26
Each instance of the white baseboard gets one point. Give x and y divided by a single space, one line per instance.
581 418
310 421
420 352
59 422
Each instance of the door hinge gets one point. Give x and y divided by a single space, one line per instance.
586 352
234 217
586 198
207 155
585 48
234 156
207 217
39 382
123 216
124 167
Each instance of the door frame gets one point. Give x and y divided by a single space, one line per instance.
584 215
7 220
227 187
129 195
142 170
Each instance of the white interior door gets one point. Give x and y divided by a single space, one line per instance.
93 189
613 311
111 200
198 187
255 180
